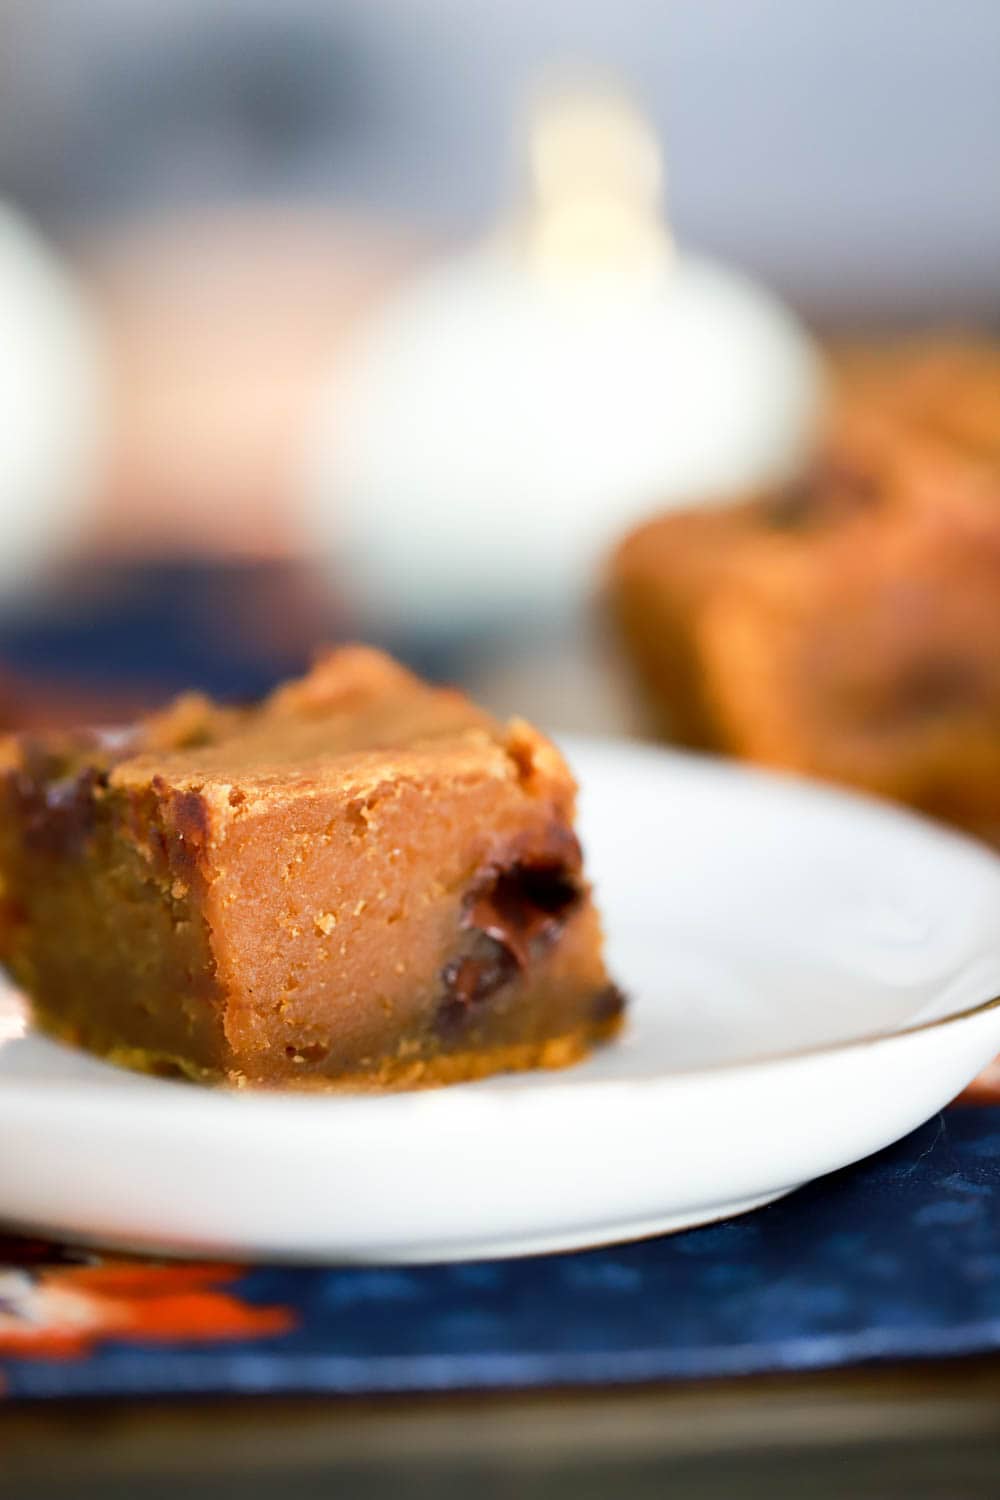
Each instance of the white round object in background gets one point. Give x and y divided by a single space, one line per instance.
510 416
51 401
498 430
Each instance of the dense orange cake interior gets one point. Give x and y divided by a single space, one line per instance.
364 882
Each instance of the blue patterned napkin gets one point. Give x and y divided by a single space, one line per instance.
898 1257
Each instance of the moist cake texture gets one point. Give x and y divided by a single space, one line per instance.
364 882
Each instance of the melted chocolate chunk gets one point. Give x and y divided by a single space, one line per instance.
308 1052
510 919
189 831
525 908
58 816
608 1005
830 491
927 690
58 787
479 971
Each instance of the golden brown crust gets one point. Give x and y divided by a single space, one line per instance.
393 1074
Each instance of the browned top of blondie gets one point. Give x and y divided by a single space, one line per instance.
872 472
946 387
358 718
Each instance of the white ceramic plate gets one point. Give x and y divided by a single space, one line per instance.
811 977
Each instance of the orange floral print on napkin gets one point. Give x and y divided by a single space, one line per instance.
985 1089
61 1312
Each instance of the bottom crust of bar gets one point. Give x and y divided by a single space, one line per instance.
386 1074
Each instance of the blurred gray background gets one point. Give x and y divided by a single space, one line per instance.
848 150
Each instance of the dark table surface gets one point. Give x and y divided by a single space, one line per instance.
895 1433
